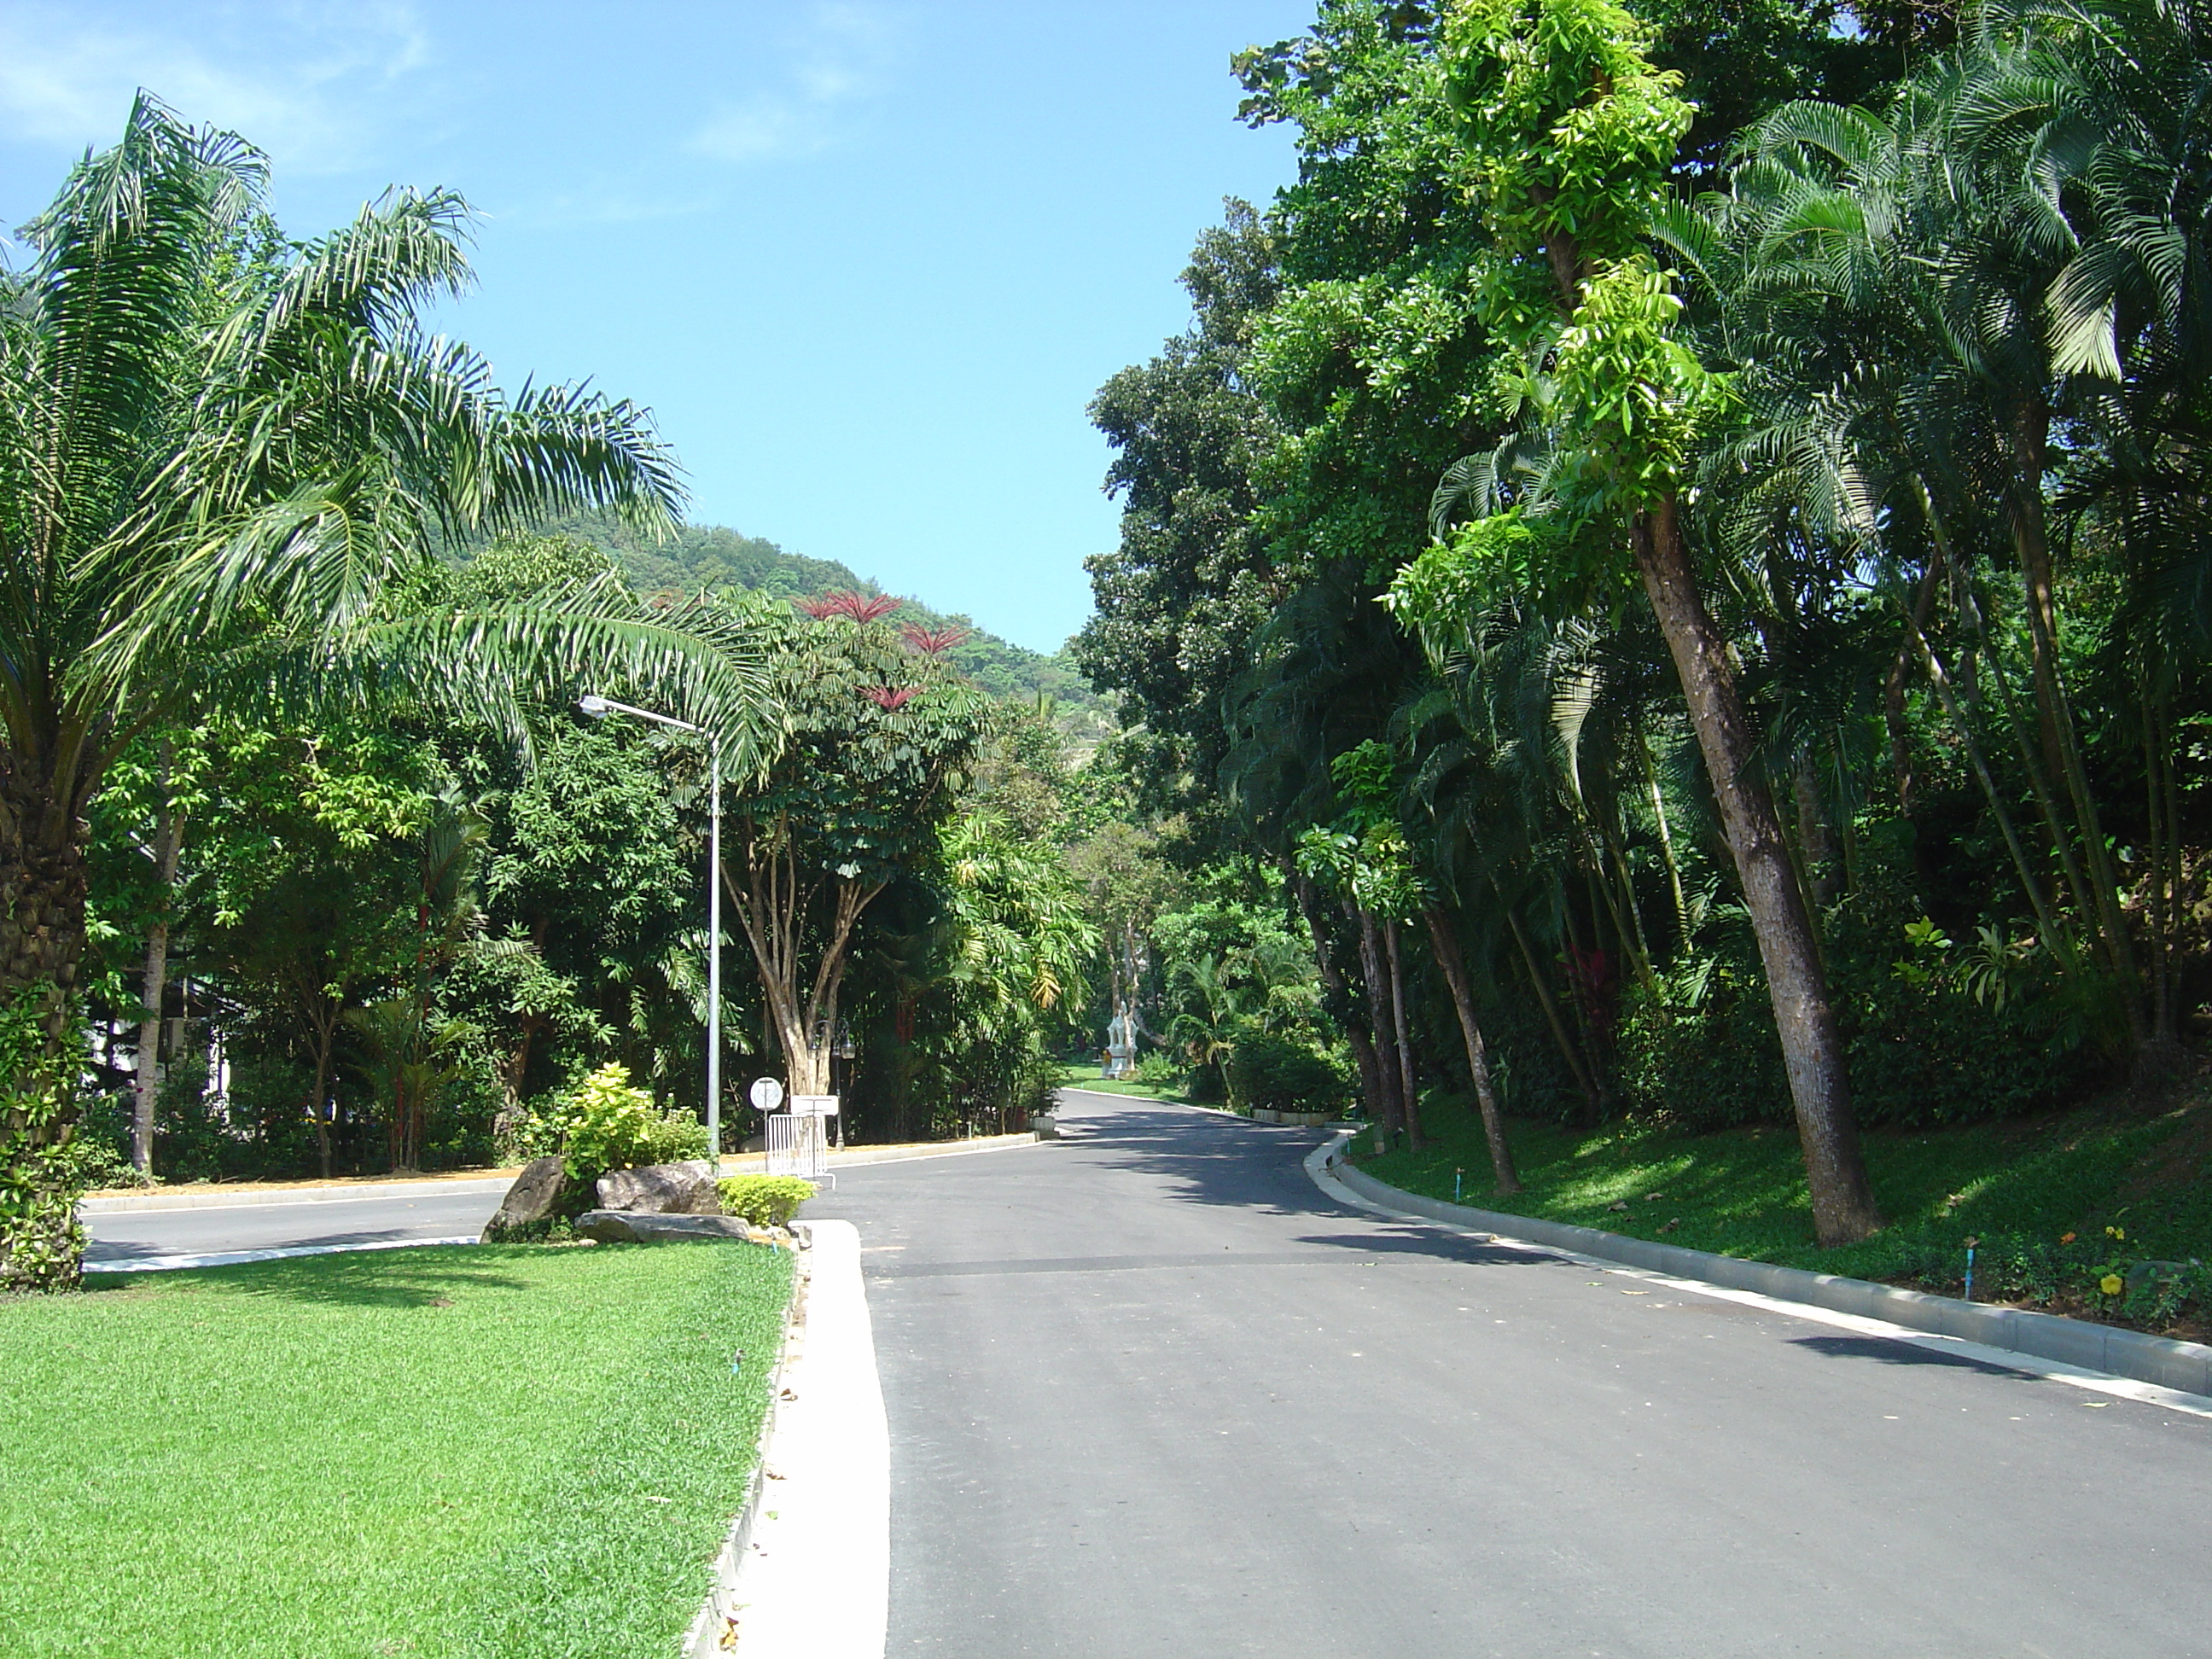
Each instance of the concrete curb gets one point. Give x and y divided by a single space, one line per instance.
812 1580
718 1615
2186 1367
249 1196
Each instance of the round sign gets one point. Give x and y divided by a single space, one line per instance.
768 1094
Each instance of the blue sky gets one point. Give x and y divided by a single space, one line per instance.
868 260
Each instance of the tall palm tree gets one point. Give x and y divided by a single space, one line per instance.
222 455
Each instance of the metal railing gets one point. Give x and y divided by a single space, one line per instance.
798 1145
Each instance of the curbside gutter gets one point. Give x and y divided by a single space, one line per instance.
2184 1367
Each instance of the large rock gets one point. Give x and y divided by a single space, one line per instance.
649 1227
661 1189
530 1203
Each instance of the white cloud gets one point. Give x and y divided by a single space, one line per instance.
313 85
835 61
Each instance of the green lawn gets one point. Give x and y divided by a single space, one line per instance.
2019 1187
525 1449
1086 1077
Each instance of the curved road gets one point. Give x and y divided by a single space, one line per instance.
1150 1393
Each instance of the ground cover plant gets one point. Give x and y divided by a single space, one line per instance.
2070 1213
497 1451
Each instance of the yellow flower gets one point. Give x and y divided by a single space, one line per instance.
2111 1284
2119 1233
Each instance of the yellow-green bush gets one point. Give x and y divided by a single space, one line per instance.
764 1201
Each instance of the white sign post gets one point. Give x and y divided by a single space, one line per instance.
767 1094
814 1105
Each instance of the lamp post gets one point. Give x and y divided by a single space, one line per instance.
599 707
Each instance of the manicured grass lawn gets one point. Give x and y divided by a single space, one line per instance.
1086 1077
526 1449
2018 1186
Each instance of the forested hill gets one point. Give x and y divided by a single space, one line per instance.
710 556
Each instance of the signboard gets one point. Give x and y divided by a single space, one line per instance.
767 1094
814 1105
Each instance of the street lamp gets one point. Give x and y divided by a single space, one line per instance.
598 709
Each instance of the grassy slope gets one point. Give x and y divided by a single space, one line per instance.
2146 1170
503 1451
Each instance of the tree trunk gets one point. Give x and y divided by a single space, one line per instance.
168 844
1592 1091
1445 943
1340 993
1387 1107
42 889
1409 1092
324 1037
2062 748
1666 838
1843 1209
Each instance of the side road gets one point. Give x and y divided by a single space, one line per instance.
1152 1392
220 1196
142 1232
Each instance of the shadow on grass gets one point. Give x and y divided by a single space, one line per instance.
378 1279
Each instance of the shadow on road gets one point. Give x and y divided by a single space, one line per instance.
1896 1351
1205 1158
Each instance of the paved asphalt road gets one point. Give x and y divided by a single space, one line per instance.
120 1235
1150 1393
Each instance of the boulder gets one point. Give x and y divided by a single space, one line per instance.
531 1202
661 1189
654 1227
1045 1125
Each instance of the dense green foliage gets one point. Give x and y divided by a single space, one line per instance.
1573 372
499 1450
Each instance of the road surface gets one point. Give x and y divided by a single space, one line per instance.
120 1236
1150 1393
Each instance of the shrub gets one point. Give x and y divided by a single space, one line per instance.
1156 1071
604 1123
41 1241
673 1138
1925 1039
764 1201
1281 1074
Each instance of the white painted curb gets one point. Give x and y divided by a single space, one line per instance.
815 1579
1318 1162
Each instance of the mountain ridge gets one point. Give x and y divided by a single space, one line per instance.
710 556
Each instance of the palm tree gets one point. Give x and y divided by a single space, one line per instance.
222 454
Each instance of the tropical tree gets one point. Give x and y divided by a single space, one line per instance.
219 454
880 734
1570 130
